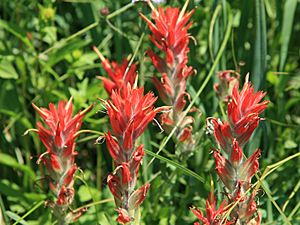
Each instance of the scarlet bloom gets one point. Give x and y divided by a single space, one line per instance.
243 115
129 111
169 33
58 136
119 74
243 112
244 109
214 216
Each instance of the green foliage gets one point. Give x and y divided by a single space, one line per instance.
46 56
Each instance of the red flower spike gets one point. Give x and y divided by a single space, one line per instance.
170 35
120 75
58 136
243 116
245 108
129 112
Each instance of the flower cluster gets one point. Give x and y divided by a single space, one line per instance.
170 35
233 170
59 139
129 112
119 75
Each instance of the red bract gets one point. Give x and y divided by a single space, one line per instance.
119 74
243 115
244 109
214 216
170 35
59 139
225 170
129 111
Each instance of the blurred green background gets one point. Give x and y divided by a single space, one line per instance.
46 56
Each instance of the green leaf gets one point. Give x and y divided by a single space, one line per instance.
287 25
16 31
86 193
7 71
7 160
64 50
15 217
260 48
271 8
290 144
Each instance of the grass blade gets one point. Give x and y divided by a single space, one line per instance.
260 48
177 165
287 25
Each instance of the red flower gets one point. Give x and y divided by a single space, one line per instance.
129 112
62 127
119 75
58 136
243 118
170 35
213 215
243 111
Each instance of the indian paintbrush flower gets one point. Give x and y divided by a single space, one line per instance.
170 36
243 116
129 112
234 171
243 111
58 136
119 74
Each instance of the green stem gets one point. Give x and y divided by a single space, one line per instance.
29 212
119 11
